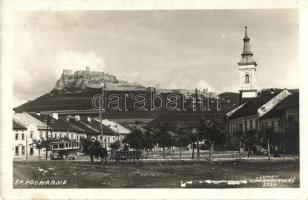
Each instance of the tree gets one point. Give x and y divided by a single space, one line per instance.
251 138
267 133
134 139
182 139
291 138
193 139
164 138
239 136
115 145
148 141
201 134
93 147
43 144
215 135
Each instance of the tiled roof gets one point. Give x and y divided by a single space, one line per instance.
58 124
251 107
96 125
26 119
291 101
18 126
118 128
86 128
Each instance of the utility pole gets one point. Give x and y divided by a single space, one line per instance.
68 126
26 147
48 123
101 110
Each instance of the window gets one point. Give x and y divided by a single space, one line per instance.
273 123
16 136
16 151
41 134
240 127
23 148
279 124
246 78
256 124
23 136
250 124
31 151
31 134
72 136
245 126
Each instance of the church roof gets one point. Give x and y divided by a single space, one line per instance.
246 54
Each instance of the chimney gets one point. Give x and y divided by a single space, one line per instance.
259 94
77 117
55 115
272 91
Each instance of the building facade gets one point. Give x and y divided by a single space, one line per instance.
277 110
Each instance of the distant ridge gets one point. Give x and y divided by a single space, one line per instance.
74 90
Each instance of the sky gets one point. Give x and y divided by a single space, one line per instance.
170 49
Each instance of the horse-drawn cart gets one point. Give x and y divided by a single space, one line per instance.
126 155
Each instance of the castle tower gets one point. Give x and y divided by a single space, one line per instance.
247 68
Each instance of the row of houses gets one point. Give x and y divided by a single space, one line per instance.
28 127
274 108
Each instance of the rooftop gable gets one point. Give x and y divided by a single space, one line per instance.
18 126
251 107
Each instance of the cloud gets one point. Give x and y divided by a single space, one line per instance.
36 75
190 84
202 84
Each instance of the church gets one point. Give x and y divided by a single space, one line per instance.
275 109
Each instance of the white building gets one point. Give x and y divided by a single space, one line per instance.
120 130
26 129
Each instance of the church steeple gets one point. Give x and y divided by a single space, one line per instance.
247 69
247 54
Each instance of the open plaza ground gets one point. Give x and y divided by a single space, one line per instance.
159 173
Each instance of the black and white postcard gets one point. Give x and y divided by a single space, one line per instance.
153 100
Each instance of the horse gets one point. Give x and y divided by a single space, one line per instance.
94 148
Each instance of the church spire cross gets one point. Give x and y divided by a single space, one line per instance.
246 35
